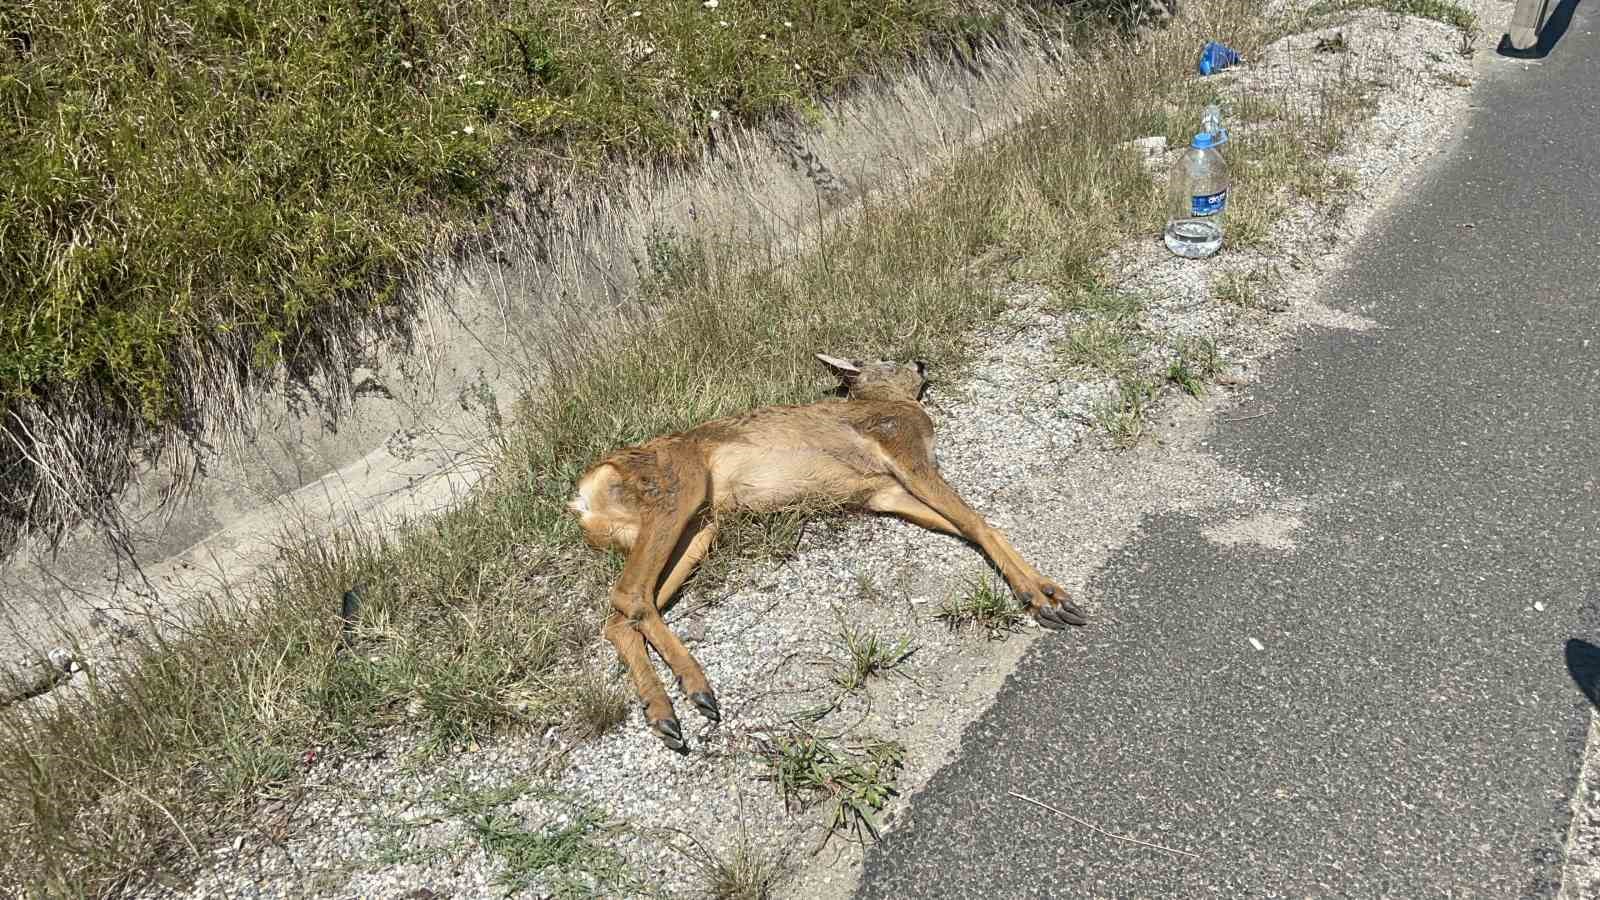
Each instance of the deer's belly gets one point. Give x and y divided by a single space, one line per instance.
767 478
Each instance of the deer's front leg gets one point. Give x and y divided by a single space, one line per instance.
928 493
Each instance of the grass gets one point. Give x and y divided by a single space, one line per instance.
1102 345
1195 362
1124 415
1106 338
600 703
866 654
1449 13
854 784
571 856
983 605
205 198
747 874
746 539
475 622
1096 300
1247 290
744 871
1180 373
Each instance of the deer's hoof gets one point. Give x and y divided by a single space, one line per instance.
1060 615
671 734
706 702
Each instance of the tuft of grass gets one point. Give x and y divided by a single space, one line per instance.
763 539
1180 373
747 873
855 784
1101 345
573 858
1098 301
1107 339
601 703
985 606
1195 362
1123 416
866 654
1246 289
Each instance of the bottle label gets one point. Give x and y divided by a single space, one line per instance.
1208 204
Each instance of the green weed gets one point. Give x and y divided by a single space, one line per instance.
985 606
866 653
855 784
1123 416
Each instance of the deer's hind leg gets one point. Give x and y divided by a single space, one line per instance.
675 490
692 549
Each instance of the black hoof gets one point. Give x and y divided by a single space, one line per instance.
671 734
706 702
1058 617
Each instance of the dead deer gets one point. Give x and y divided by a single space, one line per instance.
871 449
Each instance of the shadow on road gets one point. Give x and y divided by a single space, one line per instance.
1554 27
1583 664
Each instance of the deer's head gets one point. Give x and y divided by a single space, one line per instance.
880 380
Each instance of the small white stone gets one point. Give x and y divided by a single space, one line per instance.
1257 644
1538 605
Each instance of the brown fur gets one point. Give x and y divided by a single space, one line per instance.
871 450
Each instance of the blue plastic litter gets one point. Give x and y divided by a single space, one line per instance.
1216 57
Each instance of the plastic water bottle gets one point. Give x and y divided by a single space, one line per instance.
1199 192
1215 57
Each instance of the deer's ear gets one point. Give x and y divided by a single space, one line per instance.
844 368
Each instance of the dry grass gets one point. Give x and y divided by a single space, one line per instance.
600 702
746 873
473 622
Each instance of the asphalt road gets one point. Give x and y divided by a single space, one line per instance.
1410 728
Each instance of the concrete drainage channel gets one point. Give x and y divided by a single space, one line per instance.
415 439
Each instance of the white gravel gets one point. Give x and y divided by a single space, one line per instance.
1015 437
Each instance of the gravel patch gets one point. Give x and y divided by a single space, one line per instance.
621 816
